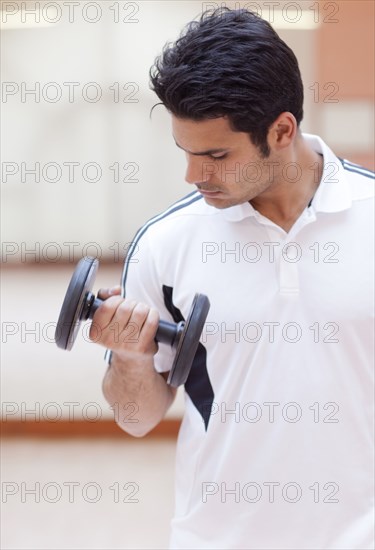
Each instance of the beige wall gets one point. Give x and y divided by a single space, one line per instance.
345 50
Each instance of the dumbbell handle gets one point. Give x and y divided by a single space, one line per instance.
167 333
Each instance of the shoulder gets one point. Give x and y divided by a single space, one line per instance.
361 179
191 210
356 171
171 230
340 170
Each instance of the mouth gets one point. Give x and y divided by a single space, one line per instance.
209 193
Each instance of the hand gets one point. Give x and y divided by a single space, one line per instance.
124 326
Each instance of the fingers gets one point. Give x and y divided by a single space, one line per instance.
126 326
151 325
106 312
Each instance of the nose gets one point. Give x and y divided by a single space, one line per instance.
198 170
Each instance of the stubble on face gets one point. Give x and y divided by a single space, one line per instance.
224 165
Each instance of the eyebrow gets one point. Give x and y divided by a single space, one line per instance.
203 153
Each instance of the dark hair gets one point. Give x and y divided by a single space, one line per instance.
230 63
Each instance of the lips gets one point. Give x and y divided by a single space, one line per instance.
208 191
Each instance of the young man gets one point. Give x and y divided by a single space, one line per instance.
275 445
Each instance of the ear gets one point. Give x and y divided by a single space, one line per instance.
282 131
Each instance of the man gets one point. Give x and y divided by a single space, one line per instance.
275 445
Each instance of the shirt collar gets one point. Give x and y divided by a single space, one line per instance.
239 212
333 193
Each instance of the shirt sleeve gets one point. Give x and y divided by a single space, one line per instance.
141 282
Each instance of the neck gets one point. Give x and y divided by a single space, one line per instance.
294 185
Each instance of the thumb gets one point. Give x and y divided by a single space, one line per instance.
105 293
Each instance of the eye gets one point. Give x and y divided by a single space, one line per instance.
216 157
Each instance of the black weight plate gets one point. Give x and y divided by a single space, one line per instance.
70 315
189 341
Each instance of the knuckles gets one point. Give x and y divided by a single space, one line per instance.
117 316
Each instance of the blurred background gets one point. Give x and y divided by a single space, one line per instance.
83 166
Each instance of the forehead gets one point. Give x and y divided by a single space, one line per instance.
215 133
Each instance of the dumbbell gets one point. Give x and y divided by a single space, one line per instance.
80 305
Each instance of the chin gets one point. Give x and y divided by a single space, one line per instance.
221 203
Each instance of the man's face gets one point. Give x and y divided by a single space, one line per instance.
224 165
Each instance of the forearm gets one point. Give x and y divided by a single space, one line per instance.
136 382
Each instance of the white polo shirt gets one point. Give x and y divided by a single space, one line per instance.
275 449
